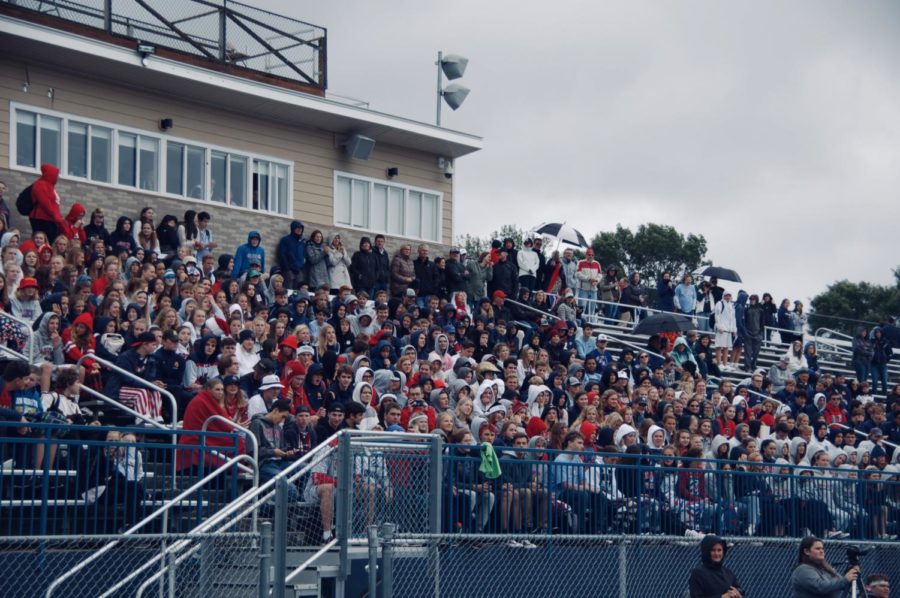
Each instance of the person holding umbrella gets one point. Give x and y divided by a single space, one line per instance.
726 327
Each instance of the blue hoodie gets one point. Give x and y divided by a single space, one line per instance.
246 253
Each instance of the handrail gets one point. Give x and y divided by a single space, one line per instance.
30 343
227 511
305 564
532 308
834 332
251 437
159 511
139 380
651 310
764 397
639 348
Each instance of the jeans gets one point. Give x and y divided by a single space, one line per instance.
587 301
862 367
879 374
271 468
752 346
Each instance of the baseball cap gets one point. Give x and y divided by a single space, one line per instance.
602 338
144 338
170 335
231 380
573 381
265 365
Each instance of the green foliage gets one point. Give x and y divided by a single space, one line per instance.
857 302
475 245
651 250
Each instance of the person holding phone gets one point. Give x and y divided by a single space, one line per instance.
274 456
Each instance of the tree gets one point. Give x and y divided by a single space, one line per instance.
846 305
652 250
475 245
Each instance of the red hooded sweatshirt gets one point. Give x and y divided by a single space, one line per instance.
46 200
76 233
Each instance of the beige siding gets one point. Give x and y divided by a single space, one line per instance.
315 154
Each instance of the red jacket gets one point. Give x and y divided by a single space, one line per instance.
199 409
46 200
72 351
76 233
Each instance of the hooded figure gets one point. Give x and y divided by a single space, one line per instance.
370 419
121 239
73 229
46 215
45 349
712 577
247 254
291 255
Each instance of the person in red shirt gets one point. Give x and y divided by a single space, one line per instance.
75 224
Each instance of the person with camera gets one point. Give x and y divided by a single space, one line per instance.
712 578
813 577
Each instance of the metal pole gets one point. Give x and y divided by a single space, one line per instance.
623 572
107 16
387 560
373 561
437 487
281 493
265 558
206 560
222 30
344 509
439 81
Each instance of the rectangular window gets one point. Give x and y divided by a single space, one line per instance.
51 140
174 168
26 138
107 154
387 208
127 159
196 172
78 149
101 154
237 181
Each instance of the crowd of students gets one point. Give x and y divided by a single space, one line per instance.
327 338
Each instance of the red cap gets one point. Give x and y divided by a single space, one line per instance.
28 283
499 294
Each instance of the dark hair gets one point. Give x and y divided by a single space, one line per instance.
15 370
571 436
802 559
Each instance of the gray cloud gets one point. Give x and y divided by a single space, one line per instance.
770 128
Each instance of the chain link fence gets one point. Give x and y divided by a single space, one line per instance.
211 564
625 566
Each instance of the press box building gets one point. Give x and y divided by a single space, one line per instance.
214 106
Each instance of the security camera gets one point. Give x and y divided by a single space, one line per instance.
448 169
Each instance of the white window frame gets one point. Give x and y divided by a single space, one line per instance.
371 182
163 139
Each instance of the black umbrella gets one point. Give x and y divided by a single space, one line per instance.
563 232
722 273
664 322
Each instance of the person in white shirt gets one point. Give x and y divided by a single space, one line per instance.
268 391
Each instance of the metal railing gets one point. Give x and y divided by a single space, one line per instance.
61 478
161 511
233 35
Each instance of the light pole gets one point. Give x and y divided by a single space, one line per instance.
453 67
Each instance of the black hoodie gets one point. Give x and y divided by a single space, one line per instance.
122 240
712 579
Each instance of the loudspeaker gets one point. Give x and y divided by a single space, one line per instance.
359 147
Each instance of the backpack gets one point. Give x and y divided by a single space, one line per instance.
25 202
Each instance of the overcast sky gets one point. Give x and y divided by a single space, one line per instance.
771 128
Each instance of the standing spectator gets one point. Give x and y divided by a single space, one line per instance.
364 268
740 307
569 268
204 243
609 292
552 277
587 273
798 320
291 256
249 253
665 292
167 235
316 266
505 276
338 262
712 577
426 277
456 274
635 296
383 278
46 216
784 322
481 273
74 228
528 263
726 327
771 311
754 327
881 354
813 576
4 207
403 272
686 295
863 351
538 248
